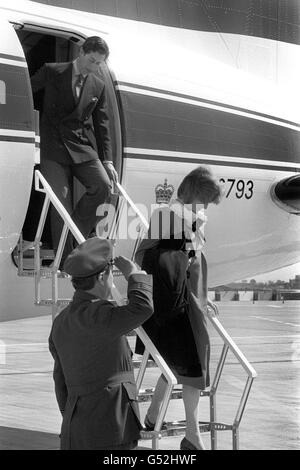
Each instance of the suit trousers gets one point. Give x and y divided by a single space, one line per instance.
92 175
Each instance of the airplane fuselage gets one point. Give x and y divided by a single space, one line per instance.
179 98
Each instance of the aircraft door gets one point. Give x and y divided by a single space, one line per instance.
17 138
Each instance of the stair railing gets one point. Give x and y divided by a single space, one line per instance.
42 185
229 344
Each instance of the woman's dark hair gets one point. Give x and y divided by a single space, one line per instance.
200 184
95 44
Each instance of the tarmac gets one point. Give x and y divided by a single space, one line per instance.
268 333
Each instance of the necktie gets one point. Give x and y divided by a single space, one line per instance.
78 85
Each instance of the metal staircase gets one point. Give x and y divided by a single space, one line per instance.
43 273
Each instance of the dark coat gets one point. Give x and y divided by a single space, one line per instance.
93 372
178 327
80 131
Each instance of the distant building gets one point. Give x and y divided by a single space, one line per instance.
252 290
295 283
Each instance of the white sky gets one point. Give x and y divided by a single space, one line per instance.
284 274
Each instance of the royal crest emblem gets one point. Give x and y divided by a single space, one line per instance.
164 193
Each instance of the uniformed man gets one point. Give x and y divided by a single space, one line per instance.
93 373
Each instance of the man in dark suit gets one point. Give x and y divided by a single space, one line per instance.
75 135
93 372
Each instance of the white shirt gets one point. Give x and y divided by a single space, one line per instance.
75 73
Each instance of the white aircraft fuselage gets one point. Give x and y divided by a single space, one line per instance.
179 98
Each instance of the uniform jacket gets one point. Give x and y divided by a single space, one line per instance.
93 373
83 128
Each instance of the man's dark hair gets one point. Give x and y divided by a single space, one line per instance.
85 283
95 44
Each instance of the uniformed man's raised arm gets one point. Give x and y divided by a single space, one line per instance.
122 320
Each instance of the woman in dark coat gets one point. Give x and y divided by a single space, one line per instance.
172 253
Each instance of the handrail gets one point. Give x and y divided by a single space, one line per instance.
70 225
133 206
214 321
233 347
229 344
58 205
140 331
165 370
150 348
158 359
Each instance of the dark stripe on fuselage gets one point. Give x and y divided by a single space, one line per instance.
255 114
12 57
270 19
210 161
17 111
16 139
163 124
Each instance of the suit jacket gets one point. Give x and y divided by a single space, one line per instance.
93 372
80 130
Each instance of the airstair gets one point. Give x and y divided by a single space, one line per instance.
151 357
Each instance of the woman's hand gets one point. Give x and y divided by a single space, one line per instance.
212 308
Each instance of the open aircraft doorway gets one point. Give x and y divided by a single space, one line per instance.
48 45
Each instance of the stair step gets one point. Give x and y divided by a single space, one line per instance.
45 253
27 273
49 302
117 272
137 363
46 258
177 428
28 253
147 394
46 273
131 333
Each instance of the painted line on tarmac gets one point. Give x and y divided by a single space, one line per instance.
31 372
265 336
276 321
252 305
25 344
268 401
50 372
18 347
15 348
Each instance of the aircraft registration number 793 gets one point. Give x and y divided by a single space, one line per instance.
239 188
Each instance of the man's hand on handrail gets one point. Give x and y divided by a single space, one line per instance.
111 171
